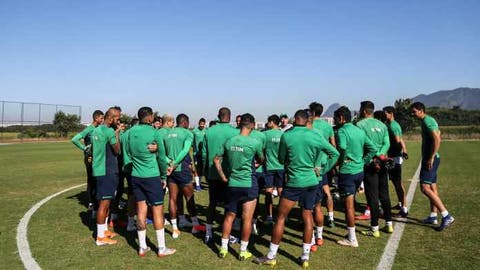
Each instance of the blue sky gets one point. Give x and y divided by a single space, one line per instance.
261 57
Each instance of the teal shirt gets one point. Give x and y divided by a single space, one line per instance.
85 134
104 159
377 132
324 128
272 145
240 152
429 125
144 163
178 142
198 140
351 143
260 137
299 150
215 138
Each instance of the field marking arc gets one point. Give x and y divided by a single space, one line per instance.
22 240
388 256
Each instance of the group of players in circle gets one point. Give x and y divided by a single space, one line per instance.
295 161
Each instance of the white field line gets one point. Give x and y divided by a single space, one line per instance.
388 256
22 241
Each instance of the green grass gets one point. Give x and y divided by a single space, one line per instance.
60 232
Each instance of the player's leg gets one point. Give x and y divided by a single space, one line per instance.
172 206
384 197
372 193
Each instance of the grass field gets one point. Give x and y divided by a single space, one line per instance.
60 232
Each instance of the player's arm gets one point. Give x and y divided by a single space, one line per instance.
341 145
332 154
370 150
436 146
76 139
161 157
259 154
282 150
187 144
385 145
127 160
217 161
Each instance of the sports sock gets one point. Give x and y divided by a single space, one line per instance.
351 234
225 243
142 238
160 238
272 253
243 245
174 223
320 232
445 213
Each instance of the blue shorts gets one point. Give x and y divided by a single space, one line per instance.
236 196
349 183
304 196
429 176
148 189
274 178
107 186
319 193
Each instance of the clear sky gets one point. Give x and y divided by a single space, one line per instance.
259 56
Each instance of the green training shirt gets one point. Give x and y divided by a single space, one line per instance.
144 163
428 126
260 137
299 150
215 138
272 144
325 128
351 143
394 130
198 140
85 134
377 132
104 159
178 142
240 152
127 162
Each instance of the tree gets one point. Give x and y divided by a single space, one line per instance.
402 114
65 123
125 119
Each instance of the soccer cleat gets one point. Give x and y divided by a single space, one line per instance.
330 223
303 262
208 238
198 228
265 261
319 242
233 240
143 251
388 228
313 248
222 253
430 220
175 233
375 234
362 217
184 223
446 222
245 255
165 252
348 243
105 241
401 214
110 234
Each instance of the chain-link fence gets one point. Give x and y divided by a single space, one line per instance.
18 117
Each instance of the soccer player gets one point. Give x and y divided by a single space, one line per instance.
299 150
327 132
215 138
397 151
430 162
178 142
106 147
148 177
242 190
351 142
274 171
86 147
259 177
376 174
198 141
285 122
238 120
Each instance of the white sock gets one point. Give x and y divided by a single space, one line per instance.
389 223
320 232
197 181
195 221
404 209
330 215
433 214
445 213
306 251
225 243
272 253
101 230
351 234
313 238
160 238
243 245
142 238
209 229
174 223
375 228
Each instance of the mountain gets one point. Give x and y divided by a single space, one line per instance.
464 97
331 109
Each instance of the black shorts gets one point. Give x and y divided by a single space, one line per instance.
107 186
349 183
148 189
304 196
319 193
429 176
216 191
395 174
274 178
236 196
